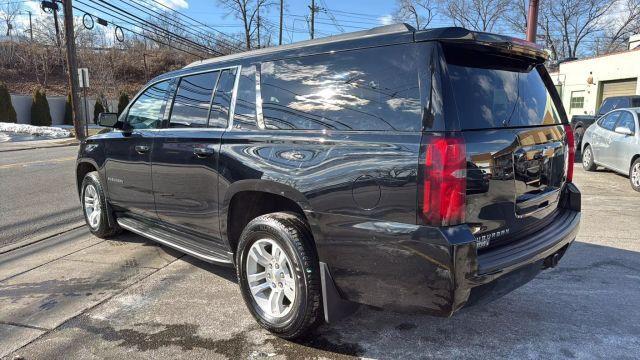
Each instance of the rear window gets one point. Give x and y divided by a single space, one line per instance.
489 97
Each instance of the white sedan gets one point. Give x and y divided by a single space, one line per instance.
613 142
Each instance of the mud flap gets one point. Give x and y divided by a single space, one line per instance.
334 306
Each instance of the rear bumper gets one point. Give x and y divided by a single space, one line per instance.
438 271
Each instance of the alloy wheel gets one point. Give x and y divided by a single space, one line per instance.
635 175
270 277
586 158
92 206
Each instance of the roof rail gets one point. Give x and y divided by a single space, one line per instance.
380 30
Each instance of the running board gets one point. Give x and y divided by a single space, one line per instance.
174 240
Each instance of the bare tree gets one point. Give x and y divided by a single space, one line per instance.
479 15
420 13
575 21
619 26
9 10
247 12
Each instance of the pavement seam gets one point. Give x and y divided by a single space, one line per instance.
49 262
106 263
24 325
94 306
26 243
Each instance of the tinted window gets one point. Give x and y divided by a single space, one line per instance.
191 103
244 114
219 116
148 110
493 97
372 89
609 121
635 102
626 120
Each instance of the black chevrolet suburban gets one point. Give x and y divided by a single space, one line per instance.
409 170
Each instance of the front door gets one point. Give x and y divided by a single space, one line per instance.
622 145
128 153
185 153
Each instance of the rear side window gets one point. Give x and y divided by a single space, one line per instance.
148 109
626 120
219 117
635 102
370 89
489 97
609 121
244 116
192 100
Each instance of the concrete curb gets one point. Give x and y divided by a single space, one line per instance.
23 243
57 143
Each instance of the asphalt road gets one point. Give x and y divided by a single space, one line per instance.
38 197
76 296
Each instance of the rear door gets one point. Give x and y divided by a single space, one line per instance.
185 154
515 142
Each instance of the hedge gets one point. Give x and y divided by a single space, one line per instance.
7 112
40 114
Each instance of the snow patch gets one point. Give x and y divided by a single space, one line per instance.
45 132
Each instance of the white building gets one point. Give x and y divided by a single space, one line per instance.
584 83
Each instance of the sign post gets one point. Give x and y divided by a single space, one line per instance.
83 79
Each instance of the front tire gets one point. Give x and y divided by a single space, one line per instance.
587 159
95 208
279 275
634 175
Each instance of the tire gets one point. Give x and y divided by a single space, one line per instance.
102 224
577 135
291 234
634 175
587 159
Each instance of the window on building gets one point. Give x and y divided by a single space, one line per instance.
192 101
577 100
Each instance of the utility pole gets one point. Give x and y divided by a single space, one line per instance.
313 12
532 20
55 22
258 21
280 35
72 68
30 26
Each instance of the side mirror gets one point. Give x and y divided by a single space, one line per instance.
108 119
624 130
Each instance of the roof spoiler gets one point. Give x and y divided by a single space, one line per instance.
488 41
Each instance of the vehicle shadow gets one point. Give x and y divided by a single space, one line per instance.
593 294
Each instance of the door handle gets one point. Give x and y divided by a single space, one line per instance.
203 151
142 149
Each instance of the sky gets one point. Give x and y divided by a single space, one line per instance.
352 15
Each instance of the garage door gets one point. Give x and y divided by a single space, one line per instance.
618 88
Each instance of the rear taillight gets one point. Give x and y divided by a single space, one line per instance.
571 152
444 181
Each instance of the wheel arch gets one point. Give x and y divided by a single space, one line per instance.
633 159
265 197
83 167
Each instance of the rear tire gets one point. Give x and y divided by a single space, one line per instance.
96 211
264 240
587 159
577 135
634 175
